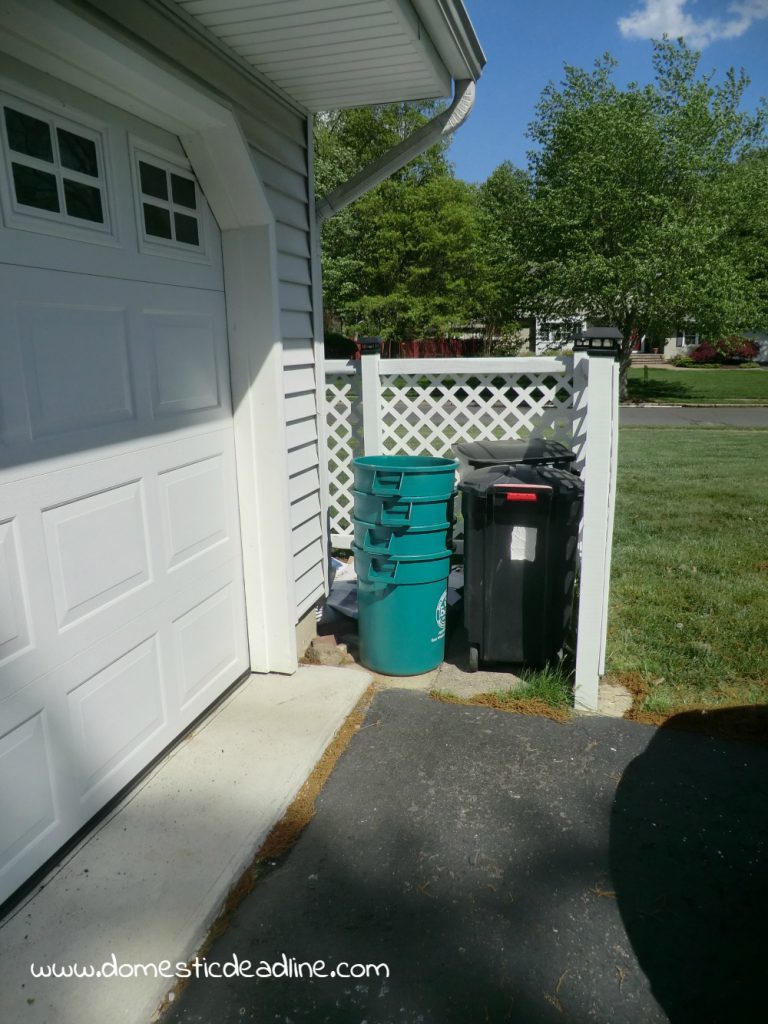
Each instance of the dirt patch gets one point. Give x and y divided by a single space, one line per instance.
300 812
302 809
731 719
515 705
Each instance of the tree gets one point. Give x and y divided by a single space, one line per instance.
629 223
742 195
402 260
501 296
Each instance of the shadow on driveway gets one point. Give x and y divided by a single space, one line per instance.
509 868
689 861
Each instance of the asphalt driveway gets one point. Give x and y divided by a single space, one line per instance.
510 868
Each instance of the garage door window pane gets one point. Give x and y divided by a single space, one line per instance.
157 221
183 191
186 229
154 181
35 188
78 153
28 135
83 201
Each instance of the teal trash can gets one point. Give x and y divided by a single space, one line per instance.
402 605
402 521
405 476
397 512
375 539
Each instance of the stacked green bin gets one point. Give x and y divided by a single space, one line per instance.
403 519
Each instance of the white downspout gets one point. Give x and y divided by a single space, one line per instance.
436 130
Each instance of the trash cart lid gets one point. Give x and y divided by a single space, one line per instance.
534 451
481 481
486 478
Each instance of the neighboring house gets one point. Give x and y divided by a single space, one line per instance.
553 335
761 337
686 341
162 521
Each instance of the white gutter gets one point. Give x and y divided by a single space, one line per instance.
436 130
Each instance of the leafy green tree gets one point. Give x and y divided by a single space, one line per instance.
742 197
629 223
502 291
402 260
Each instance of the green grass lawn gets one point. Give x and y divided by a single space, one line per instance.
719 387
689 592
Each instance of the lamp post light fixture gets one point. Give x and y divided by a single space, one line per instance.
599 341
370 346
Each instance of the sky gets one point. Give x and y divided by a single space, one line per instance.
526 44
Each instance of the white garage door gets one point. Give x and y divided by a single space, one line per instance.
121 593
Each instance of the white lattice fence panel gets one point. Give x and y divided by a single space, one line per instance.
426 414
344 442
425 410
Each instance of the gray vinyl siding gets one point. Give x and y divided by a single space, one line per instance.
282 163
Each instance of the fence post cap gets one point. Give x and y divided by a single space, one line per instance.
599 341
370 346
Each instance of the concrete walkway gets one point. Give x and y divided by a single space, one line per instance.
509 868
147 883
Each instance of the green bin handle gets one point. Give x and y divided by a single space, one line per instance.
379 478
374 576
395 519
376 549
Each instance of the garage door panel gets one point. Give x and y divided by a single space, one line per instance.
97 550
14 614
28 811
107 541
185 356
205 638
79 734
76 377
34 800
114 714
194 510
77 371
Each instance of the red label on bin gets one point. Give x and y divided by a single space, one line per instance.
521 496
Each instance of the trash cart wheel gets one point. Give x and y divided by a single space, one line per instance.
474 658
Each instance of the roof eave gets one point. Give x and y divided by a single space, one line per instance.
453 35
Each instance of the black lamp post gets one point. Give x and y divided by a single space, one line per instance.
599 341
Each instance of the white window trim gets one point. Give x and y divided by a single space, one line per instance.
168 247
49 222
682 339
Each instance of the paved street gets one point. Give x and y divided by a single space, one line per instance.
681 416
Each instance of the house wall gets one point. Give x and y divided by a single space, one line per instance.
672 349
761 337
282 163
548 334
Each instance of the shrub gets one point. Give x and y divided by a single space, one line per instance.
338 346
732 349
682 361
750 365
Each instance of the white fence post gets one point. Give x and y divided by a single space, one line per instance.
370 355
596 414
